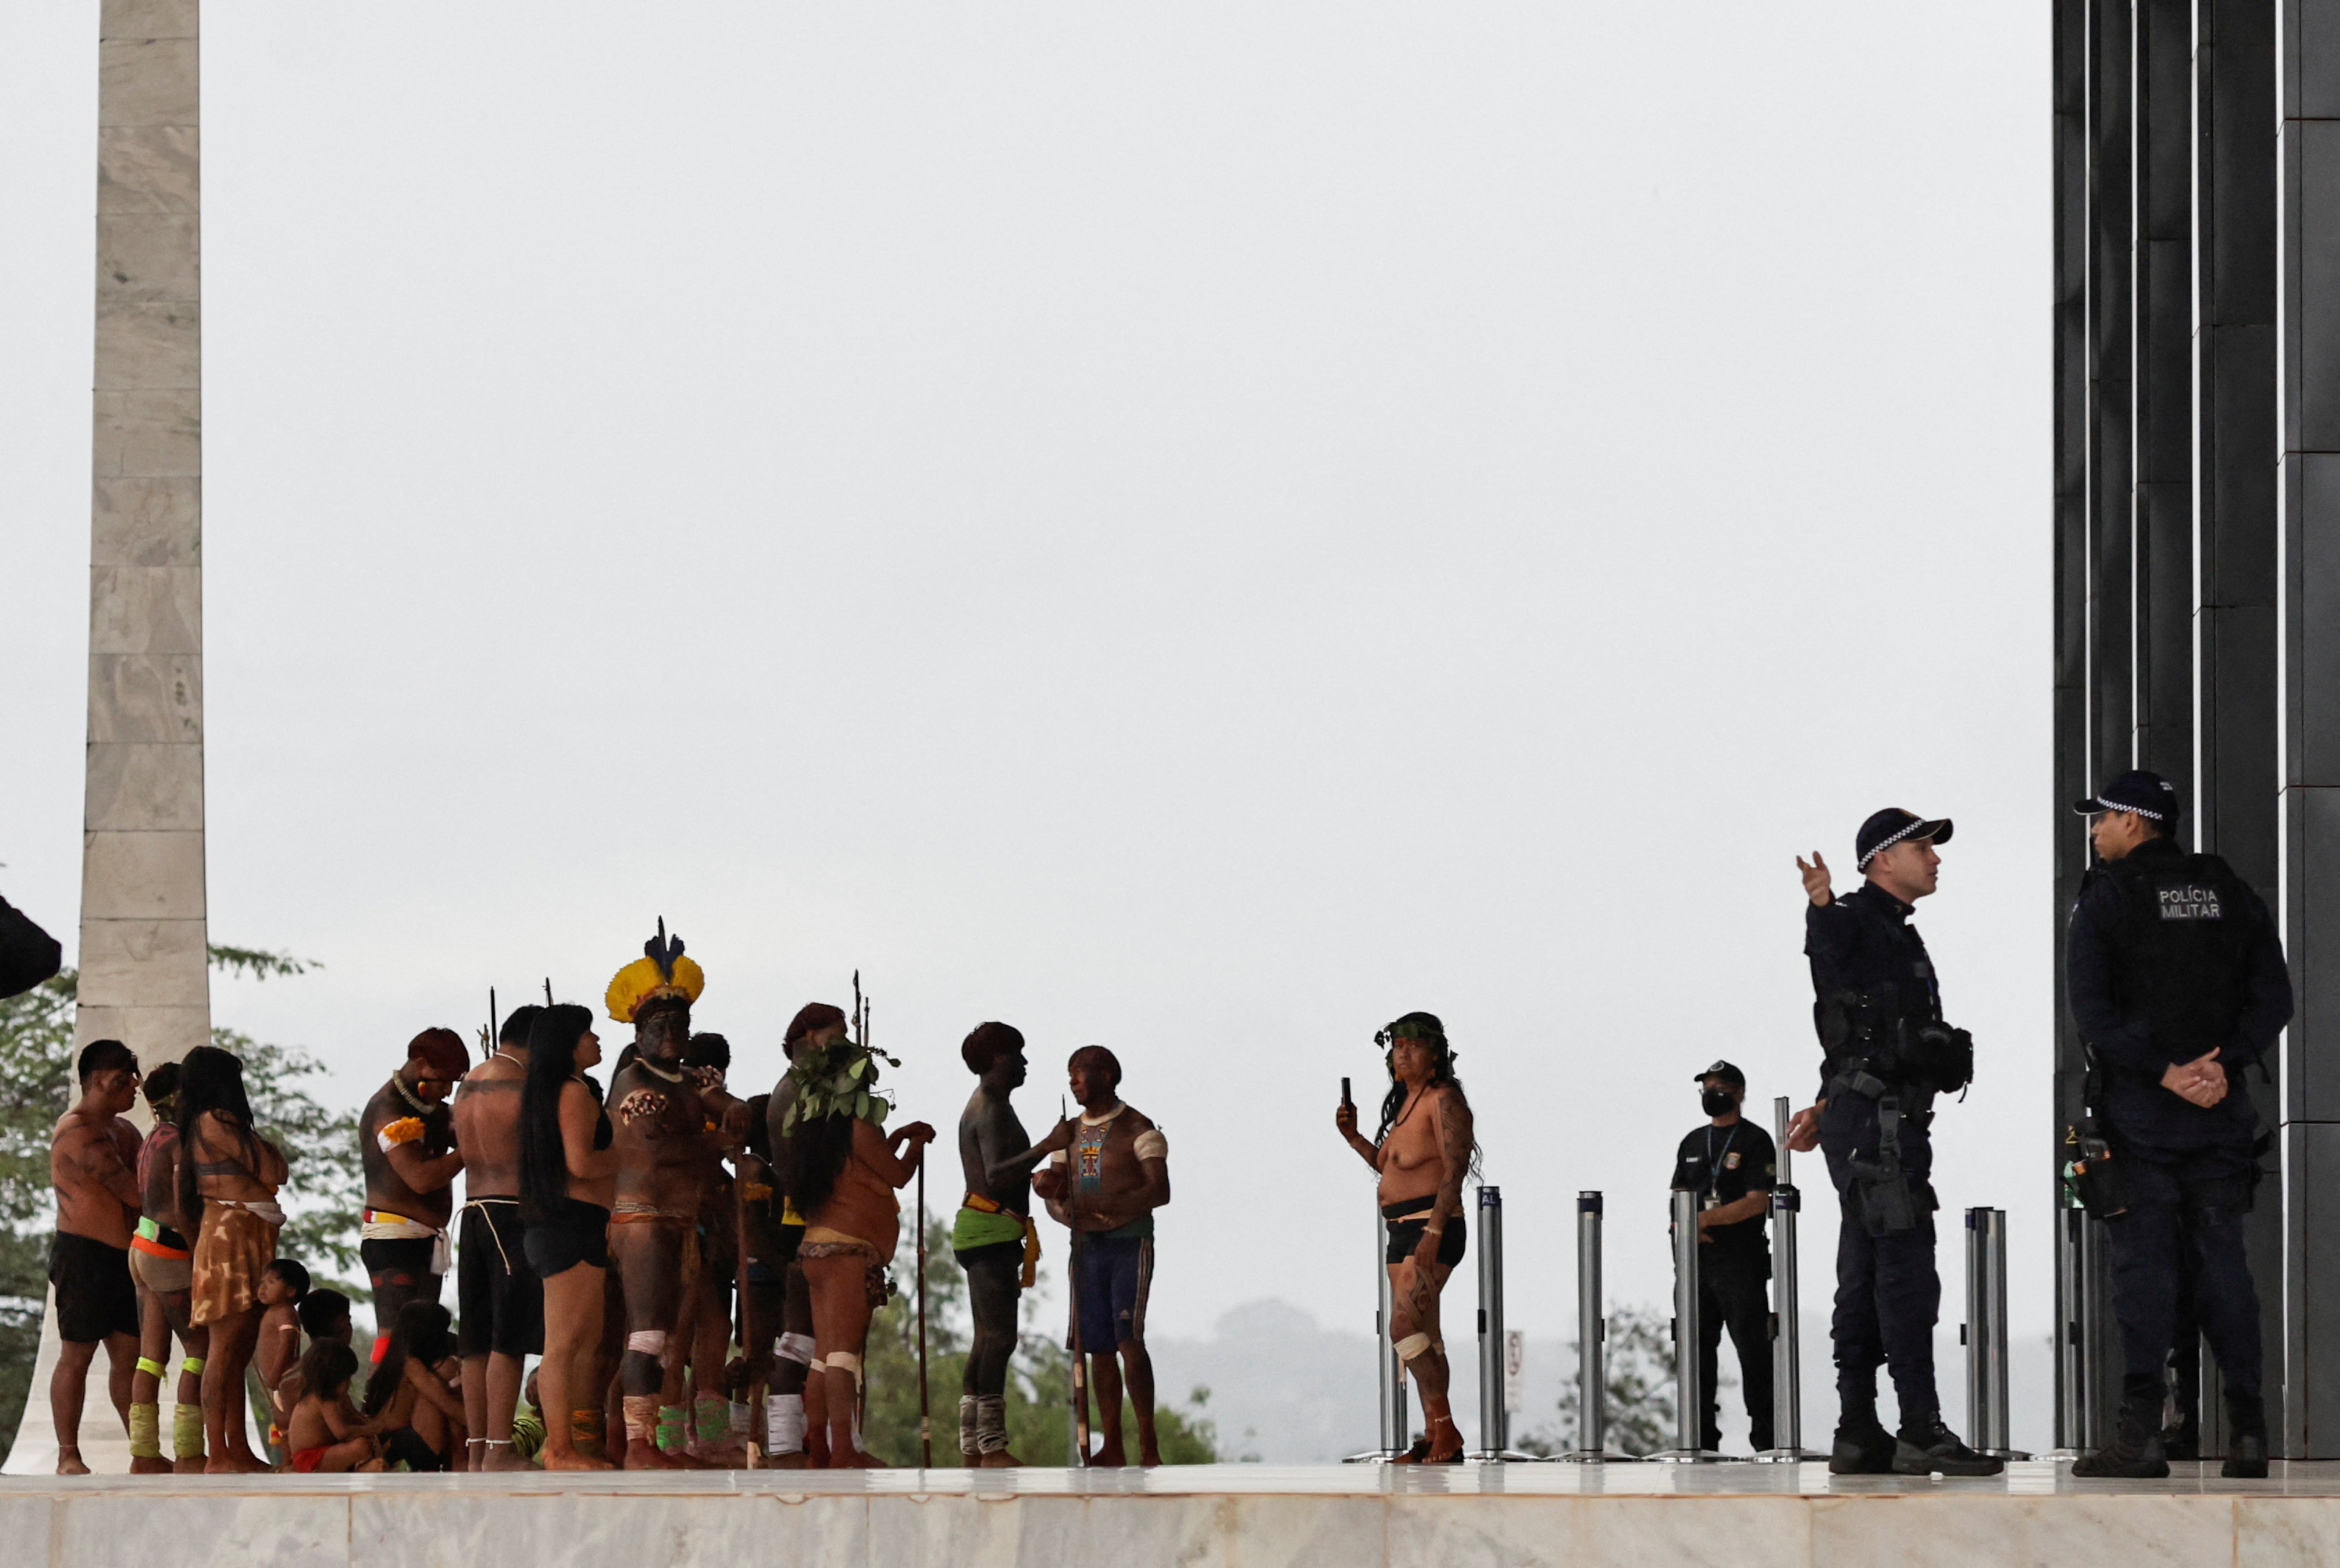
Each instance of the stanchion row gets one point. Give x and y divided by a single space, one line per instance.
1983 1335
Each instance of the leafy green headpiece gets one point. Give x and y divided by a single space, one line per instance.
839 1081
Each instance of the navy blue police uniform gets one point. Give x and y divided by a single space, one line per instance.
1887 1052
2171 955
1723 1165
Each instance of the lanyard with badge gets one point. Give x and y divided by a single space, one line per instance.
1713 1198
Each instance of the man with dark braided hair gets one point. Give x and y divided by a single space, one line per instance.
1424 1149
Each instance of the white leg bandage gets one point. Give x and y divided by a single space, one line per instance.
1412 1345
784 1421
844 1361
650 1342
795 1347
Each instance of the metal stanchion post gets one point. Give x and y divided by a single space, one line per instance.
1986 1333
1495 1415
2071 1349
1786 1322
1591 1332
1391 1408
1690 1396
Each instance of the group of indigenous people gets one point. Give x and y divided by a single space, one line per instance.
696 1272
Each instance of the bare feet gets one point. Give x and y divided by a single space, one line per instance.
572 1461
193 1467
1446 1442
785 1461
374 1465
69 1461
642 1456
1109 1456
157 1465
1148 1455
499 1457
1415 1455
1003 1459
853 1459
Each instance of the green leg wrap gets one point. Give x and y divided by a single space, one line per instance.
712 1416
146 1432
670 1421
187 1432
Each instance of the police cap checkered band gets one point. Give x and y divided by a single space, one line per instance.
1889 826
2149 795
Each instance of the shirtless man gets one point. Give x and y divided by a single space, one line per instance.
500 1300
706 1437
406 1136
1422 1151
993 1238
161 1263
1108 1171
92 1156
659 1119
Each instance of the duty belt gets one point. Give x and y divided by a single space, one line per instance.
1852 1074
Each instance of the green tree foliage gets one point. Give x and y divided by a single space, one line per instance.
322 1197
1641 1384
1038 1401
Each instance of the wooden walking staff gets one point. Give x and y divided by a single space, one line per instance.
747 1312
926 1415
1073 1299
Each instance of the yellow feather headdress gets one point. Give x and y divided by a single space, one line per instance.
660 971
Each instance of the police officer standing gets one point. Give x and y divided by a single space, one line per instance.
2177 984
1732 1165
1888 1053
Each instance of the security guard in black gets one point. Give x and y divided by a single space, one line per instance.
2176 980
1733 1165
1885 1053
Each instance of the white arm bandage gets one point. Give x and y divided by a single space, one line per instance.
1151 1145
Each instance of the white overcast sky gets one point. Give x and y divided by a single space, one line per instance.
1201 527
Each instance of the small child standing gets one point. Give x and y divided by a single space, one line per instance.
283 1284
324 1432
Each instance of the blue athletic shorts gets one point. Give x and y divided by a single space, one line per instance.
1114 1274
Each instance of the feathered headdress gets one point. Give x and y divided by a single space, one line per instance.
660 971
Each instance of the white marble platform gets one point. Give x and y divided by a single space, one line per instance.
1223 1516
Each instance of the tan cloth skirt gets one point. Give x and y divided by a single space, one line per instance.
232 1250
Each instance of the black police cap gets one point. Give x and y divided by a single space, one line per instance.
2149 795
1889 826
1724 1071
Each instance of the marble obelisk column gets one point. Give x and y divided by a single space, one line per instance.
144 975
145 979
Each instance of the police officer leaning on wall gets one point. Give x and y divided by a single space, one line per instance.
2177 984
1732 1165
1888 1053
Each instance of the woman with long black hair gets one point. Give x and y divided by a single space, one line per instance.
840 1169
567 1177
228 1177
1422 1151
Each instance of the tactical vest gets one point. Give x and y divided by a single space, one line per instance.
2180 950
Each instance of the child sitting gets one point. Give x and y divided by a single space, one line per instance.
409 1398
323 1430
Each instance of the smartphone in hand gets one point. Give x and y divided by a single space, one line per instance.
1346 1103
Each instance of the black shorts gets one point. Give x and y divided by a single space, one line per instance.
1405 1235
95 1296
576 1232
403 1263
499 1297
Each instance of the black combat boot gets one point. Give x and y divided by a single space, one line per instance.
2247 1450
1863 1446
2134 1452
1926 1448
2183 1441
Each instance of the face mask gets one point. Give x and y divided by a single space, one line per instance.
1716 1102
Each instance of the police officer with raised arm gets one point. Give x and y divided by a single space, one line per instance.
1888 1053
2177 984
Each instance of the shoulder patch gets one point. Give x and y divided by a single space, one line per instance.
1731 1160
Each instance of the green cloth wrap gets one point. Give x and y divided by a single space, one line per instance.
973 1228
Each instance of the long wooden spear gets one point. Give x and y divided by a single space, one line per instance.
1080 1386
